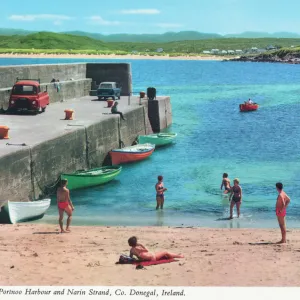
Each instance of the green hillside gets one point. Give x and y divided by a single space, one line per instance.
66 42
149 38
160 38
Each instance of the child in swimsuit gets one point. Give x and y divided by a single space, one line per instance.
160 189
143 253
235 197
226 183
282 202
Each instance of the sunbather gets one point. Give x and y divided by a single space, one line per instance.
143 253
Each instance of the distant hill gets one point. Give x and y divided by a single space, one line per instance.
11 31
71 43
149 38
159 38
50 40
254 34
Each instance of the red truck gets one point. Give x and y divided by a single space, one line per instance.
26 94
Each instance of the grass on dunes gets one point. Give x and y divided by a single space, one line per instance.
59 43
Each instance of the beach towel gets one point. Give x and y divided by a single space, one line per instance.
153 262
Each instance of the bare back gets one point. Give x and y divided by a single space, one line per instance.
62 194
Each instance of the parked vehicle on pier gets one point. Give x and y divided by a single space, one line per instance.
26 95
109 90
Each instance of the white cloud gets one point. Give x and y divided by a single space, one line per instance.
168 25
140 12
100 21
39 17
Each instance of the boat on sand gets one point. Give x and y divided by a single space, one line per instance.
17 212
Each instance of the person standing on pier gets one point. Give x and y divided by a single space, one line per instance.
282 202
64 204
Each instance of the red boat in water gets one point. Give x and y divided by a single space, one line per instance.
248 107
131 153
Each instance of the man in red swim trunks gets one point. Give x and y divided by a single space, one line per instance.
282 202
64 204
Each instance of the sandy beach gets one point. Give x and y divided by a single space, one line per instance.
112 56
34 254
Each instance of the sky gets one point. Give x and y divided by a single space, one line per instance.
155 16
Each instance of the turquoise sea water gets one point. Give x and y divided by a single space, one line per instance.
260 148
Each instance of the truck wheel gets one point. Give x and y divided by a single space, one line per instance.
44 108
119 97
99 98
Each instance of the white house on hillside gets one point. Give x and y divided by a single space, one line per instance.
159 50
214 51
206 52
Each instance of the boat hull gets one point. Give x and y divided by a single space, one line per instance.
131 154
92 177
248 107
17 212
159 139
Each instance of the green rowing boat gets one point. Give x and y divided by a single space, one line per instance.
83 179
158 139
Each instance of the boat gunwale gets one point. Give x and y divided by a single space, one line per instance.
114 171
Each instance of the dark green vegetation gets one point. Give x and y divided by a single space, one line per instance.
161 38
48 42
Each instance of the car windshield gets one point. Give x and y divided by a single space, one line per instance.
105 86
24 90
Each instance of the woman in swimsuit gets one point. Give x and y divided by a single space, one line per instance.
226 183
282 202
143 253
236 194
160 189
64 204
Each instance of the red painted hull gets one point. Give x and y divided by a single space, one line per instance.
121 157
248 107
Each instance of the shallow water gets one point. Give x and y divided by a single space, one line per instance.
260 148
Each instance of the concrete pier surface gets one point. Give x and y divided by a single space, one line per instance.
55 145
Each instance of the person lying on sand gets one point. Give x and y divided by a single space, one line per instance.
141 252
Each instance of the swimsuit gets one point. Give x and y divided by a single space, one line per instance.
160 187
62 205
226 183
236 194
280 213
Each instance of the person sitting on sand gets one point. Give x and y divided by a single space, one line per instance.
226 183
114 110
282 202
160 189
235 197
141 252
64 204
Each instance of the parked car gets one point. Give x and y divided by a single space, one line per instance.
108 90
26 94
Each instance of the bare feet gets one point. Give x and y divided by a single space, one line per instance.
63 231
230 218
68 230
281 242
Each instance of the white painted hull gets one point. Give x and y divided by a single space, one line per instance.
22 211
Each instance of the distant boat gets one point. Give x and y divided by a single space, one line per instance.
131 153
91 177
17 212
248 107
158 139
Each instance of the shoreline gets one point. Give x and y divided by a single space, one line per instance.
112 56
87 256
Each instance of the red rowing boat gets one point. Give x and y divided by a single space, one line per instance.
131 153
248 107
